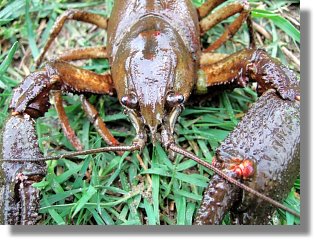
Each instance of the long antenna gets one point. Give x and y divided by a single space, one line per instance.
172 147
190 155
85 152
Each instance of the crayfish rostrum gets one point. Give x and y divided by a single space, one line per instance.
157 65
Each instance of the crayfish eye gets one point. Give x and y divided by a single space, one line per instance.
174 99
130 101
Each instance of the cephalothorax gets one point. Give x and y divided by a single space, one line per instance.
154 59
156 63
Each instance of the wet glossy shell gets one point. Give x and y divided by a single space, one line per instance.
269 135
19 199
154 49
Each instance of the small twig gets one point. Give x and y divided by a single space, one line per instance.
144 167
259 39
26 53
262 31
292 20
291 56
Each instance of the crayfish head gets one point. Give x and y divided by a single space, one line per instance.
153 72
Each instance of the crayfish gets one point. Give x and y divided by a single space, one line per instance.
157 63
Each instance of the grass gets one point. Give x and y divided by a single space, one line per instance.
107 189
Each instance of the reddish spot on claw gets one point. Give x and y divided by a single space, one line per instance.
214 161
238 172
156 33
245 169
248 170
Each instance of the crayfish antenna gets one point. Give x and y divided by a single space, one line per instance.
78 153
173 148
219 172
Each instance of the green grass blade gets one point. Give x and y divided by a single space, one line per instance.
97 217
30 31
106 217
280 22
54 214
227 104
150 212
193 179
8 59
189 195
84 199
155 188
12 10
67 174
61 196
5 21
190 213
180 203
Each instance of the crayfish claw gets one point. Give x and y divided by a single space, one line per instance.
20 200
268 130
